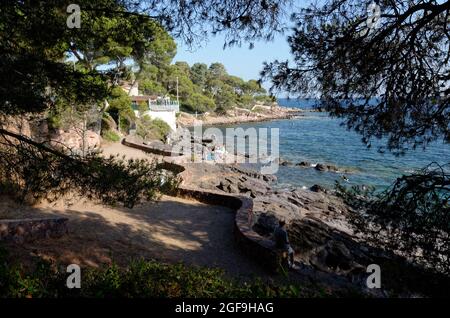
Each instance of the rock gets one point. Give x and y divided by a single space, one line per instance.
254 174
325 247
253 187
39 130
309 233
227 186
266 224
318 188
320 167
285 163
333 255
303 164
323 167
93 140
332 168
16 124
277 206
108 123
73 140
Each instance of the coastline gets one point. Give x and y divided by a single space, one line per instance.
240 115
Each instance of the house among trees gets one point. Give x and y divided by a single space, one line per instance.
161 107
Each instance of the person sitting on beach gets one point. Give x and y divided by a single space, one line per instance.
282 241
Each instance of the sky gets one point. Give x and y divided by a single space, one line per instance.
242 61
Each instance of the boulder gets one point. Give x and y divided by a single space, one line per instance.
285 163
227 186
252 187
303 164
320 167
108 123
277 206
318 188
135 139
265 224
253 174
323 167
325 247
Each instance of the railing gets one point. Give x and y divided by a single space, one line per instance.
164 106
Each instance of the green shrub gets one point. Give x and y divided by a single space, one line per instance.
148 128
37 171
141 279
110 135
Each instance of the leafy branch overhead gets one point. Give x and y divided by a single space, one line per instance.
412 217
37 80
31 169
387 76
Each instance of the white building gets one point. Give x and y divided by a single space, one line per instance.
157 106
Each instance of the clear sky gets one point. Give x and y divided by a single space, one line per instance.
239 61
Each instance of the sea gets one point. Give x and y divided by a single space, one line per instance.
318 138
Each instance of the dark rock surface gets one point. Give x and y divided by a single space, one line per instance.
285 163
318 188
323 167
316 220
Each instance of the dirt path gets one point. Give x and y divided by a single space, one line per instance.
170 230
111 149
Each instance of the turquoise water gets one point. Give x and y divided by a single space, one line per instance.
318 138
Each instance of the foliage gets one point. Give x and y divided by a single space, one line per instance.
141 279
387 77
204 89
32 64
38 171
151 87
199 73
120 108
36 77
412 217
149 128
111 135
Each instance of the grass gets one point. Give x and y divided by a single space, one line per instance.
110 135
141 279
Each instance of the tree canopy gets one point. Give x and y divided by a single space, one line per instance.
384 68
36 78
387 72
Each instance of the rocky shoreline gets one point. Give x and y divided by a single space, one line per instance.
240 115
318 222
328 249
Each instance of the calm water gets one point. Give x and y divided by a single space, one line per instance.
317 138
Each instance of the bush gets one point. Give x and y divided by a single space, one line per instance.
148 128
110 135
38 171
141 279
411 218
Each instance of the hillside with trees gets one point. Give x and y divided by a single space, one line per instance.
201 88
131 49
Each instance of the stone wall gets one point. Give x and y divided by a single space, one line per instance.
23 230
256 246
150 149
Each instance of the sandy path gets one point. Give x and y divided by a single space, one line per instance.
170 230
109 149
